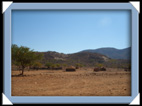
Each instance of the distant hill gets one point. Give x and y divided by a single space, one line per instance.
112 52
87 58
84 58
110 57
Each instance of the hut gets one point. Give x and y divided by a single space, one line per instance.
96 69
71 68
103 69
99 69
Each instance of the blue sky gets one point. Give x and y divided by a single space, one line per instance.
71 31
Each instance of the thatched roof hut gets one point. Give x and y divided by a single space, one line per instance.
71 68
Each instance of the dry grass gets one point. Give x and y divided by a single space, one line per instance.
83 82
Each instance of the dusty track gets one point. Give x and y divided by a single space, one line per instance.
80 83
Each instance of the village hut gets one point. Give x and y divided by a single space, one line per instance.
99 69
71 68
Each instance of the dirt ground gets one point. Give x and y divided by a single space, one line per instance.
82 82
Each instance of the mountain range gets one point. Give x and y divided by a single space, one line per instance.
81 57
89 57
112 52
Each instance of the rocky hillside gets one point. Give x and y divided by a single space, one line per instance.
113 52
84 58
110 57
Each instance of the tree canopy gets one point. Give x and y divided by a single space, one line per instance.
23 56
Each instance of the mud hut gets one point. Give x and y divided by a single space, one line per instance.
100 69
71 68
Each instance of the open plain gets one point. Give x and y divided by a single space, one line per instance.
82 82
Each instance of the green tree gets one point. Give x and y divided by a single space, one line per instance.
58 65
48 65
37 65
64 65
78 65
23 56
99 65
53 66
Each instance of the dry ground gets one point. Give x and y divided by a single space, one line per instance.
83 82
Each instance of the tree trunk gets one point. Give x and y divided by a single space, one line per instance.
22 71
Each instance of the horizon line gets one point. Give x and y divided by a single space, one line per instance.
84 50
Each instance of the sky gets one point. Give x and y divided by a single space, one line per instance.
70 31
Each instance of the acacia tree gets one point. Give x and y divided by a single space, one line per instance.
99 65
37 65
78 65
48 65
23 56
